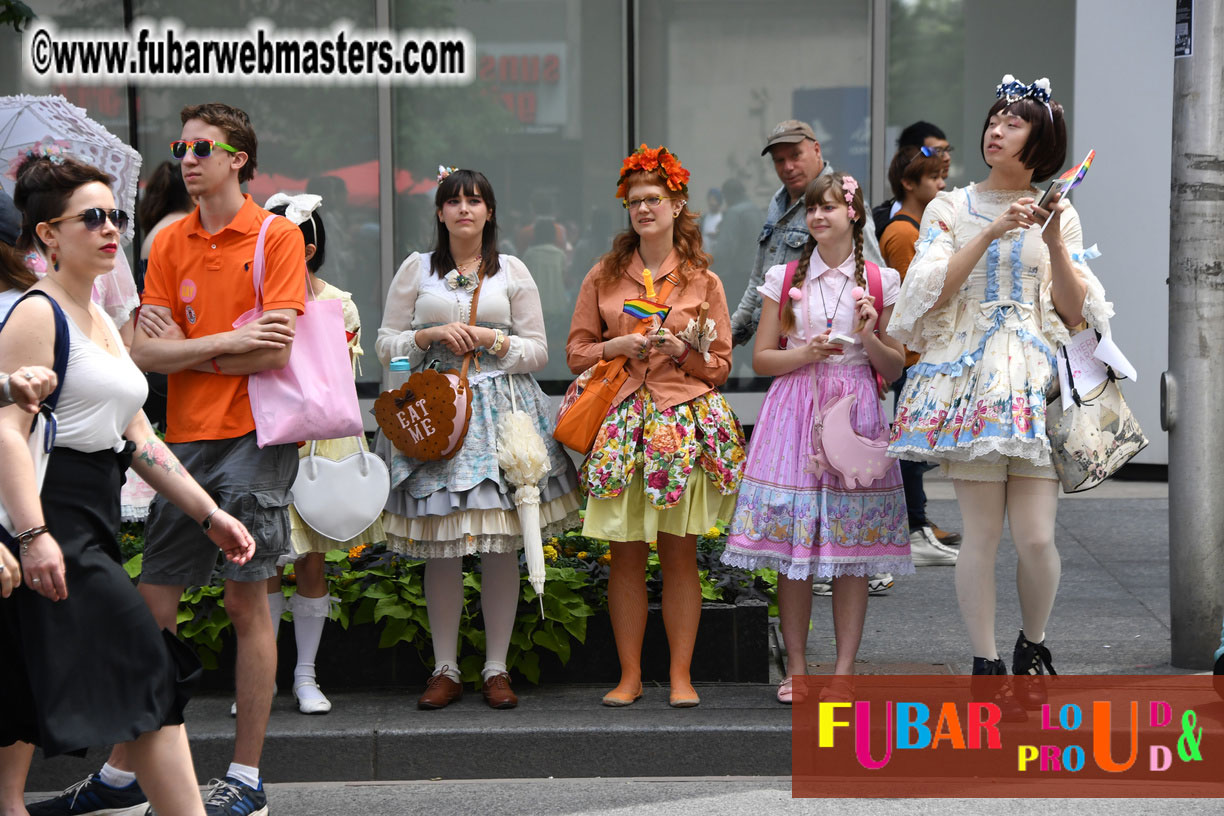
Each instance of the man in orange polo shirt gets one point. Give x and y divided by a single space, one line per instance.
198 284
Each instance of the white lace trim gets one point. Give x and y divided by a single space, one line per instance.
801 570
1036 451
473 544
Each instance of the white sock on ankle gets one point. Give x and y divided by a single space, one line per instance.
491 668
244 773
112 777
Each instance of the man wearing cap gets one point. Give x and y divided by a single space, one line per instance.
797 161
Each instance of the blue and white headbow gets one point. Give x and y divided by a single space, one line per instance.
298 208
1014 90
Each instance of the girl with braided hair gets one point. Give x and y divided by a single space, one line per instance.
801 520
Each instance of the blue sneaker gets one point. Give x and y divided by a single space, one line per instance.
229 796
92 795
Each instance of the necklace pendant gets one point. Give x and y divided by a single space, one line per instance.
828 323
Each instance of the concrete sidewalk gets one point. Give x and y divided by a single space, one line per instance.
1111 617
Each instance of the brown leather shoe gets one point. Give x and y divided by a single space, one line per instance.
440 691
497 692
944 537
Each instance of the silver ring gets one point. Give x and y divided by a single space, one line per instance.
35 580
1 568
28 375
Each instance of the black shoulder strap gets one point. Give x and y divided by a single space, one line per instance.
900 217
62 342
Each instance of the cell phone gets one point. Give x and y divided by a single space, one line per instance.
838 339
1049 193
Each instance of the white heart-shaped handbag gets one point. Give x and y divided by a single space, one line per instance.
340 499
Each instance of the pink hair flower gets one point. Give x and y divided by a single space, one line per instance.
857 293
795 294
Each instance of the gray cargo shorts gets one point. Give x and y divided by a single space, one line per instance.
249 483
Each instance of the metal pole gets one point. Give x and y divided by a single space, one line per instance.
1192 397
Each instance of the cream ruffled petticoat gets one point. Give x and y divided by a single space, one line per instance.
465 505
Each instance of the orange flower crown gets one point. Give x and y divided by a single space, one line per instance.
658 160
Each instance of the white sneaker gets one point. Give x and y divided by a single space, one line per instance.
880 583
310 697
928 552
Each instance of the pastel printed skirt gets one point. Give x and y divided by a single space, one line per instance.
801 524
674 470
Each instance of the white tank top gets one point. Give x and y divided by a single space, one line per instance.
101 392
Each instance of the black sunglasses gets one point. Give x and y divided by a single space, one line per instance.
95 217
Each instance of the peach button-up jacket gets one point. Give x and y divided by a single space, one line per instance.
599 316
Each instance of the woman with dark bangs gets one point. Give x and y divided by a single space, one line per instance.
447 509
986 302
667 461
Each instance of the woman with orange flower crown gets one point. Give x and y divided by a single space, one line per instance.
667 460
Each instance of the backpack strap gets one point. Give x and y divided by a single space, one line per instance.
902 217
875 288
62 342
788 278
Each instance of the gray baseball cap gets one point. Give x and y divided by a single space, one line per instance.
10 220
789 132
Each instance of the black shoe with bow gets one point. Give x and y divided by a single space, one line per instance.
1029 662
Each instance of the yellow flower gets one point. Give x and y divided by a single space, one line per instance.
550 552
356 552
713 532
582 554
605 559
654 546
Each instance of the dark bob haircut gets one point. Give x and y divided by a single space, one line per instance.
1046 148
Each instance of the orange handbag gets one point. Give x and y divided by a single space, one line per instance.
589 398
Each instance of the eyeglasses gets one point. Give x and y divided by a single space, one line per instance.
651 202
95 217
203 148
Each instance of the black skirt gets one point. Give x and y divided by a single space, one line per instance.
93 669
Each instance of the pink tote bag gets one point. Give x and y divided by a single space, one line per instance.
314 396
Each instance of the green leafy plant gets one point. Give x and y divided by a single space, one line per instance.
376 587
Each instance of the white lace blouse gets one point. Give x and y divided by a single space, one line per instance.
509 301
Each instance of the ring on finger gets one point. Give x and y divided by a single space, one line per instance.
35 580
28 375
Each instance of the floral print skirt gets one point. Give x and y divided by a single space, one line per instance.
675 470
801 524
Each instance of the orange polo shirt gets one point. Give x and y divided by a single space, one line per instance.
205 281
599 316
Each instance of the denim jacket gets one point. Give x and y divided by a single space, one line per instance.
781 241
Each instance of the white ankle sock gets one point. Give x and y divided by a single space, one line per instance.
245 774
491 668
112 777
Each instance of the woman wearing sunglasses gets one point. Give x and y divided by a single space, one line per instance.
667 461
84 662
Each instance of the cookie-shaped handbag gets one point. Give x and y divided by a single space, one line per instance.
427 417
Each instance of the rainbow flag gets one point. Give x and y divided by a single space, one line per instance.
645 309
1076 174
